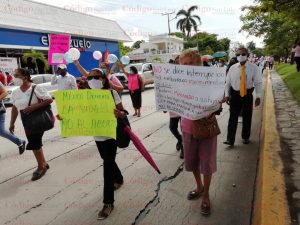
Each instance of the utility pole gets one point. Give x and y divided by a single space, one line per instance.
168 14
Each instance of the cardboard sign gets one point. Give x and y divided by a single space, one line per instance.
86 113
193 92
59 45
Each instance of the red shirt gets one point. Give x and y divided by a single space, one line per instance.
9 79
2 79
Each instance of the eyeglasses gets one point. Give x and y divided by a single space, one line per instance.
244 54
96 77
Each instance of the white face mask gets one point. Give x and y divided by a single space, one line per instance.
18 81
95 84
242 58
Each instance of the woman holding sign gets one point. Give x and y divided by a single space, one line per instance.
113 80
199 155
107 146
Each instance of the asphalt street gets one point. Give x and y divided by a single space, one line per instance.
71 191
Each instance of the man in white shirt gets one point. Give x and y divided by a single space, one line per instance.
63 79
241 80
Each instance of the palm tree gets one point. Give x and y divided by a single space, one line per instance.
188 21
34 55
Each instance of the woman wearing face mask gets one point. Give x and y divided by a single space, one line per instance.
114 82
40 99
3 133
107 147
135 86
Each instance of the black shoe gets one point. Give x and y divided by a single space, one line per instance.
117 185
179 145
181 154
246 141
105 212
22 147
228 143
38 174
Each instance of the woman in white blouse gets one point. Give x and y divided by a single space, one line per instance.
40 98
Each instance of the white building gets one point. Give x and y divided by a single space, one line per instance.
163 46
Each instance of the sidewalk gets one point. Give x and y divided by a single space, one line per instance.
288 121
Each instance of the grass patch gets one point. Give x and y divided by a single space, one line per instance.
291 78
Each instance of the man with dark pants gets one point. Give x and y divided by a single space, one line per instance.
241 80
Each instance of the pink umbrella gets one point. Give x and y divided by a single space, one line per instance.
139 145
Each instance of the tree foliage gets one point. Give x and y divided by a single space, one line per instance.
208 43
123 49
35 57
278 21
137 44
188 21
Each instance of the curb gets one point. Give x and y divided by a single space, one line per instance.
270 205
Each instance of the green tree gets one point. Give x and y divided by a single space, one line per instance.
137 44
123 49
251 46
188 22
35 56
208 43
278 21
178 34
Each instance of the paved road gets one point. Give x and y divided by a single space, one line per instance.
71 191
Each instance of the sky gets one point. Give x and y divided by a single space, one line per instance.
141 18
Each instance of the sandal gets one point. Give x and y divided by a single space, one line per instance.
193 195
205 208
135 114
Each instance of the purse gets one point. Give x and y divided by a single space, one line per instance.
205 128
123 139
39 120
2 107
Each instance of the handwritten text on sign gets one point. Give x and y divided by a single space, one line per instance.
59 45
86 113
193 92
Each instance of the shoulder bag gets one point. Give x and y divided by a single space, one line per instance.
123 139
39 120
205 128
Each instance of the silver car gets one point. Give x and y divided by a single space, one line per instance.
43 80
144 69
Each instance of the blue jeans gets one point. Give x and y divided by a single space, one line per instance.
6 134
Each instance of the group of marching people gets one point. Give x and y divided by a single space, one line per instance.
199 155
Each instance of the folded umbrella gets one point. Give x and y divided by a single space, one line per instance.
142 149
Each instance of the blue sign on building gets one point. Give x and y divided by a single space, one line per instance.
87 46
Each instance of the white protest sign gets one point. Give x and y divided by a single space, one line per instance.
8 64
193 92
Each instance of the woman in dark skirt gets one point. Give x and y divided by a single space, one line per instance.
40 98
135 86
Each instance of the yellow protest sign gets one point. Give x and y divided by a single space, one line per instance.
86 113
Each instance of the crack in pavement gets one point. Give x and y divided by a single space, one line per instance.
155 200
52 196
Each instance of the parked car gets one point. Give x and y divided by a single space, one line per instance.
43 80
144 69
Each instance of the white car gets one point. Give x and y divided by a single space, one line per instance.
144 69
43 80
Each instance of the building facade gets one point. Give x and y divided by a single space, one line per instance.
26 25
164 47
